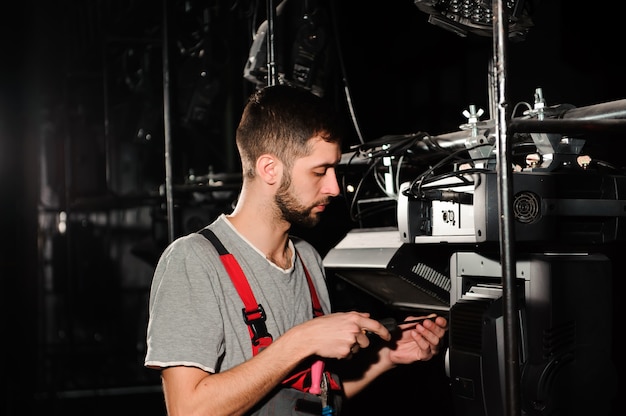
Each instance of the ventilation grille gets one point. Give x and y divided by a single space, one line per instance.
559 340
527 207
467 322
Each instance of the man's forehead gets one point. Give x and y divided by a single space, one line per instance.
322 153
319 145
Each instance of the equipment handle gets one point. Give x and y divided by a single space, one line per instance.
316 376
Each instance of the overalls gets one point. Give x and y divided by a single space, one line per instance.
305 392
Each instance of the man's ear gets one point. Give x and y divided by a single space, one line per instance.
269 168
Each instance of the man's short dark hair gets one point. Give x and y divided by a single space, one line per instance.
280 120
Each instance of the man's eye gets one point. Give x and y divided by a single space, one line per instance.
318 173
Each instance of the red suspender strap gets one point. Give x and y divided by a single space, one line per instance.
253 312
317 306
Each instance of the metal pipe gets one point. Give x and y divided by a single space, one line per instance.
169 198
611 109
570 127
272 78
507 227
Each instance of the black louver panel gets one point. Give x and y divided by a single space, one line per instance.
466 325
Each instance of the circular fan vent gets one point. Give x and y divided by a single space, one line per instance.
526 207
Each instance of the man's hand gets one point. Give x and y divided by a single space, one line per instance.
339 335
418 341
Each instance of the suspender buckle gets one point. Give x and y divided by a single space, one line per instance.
256 322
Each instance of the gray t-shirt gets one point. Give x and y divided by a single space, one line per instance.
196 313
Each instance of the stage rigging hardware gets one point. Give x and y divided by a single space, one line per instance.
442 257
518 342
465 17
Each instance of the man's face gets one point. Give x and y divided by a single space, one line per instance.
306 190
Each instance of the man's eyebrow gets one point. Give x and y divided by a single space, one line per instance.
326 165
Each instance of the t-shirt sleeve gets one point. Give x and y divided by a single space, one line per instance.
185 326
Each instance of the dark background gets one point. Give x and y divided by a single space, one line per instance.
82 156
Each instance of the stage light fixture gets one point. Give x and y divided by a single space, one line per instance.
476 16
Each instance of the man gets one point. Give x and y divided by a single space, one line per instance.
289 143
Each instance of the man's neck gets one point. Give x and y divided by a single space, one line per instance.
269 236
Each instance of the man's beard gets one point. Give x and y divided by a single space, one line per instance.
291 210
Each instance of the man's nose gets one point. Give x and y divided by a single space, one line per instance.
331 186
